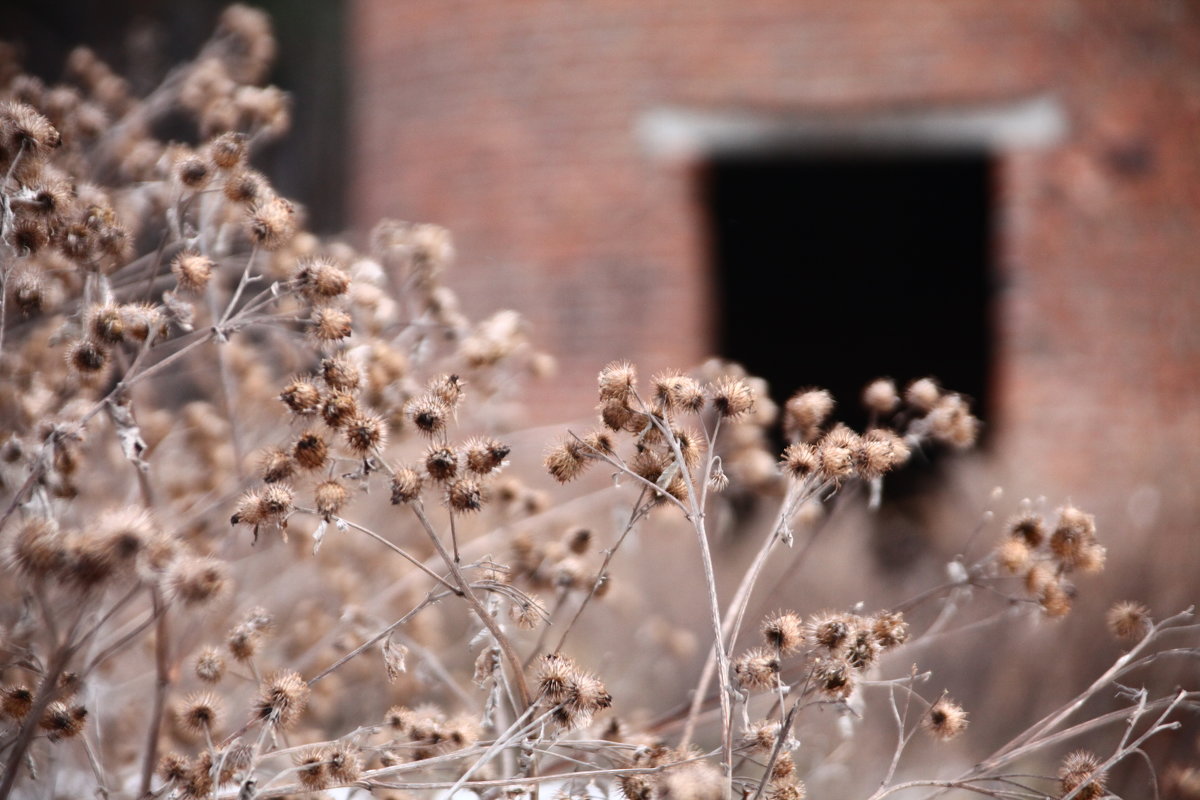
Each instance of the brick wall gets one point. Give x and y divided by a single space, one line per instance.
513 122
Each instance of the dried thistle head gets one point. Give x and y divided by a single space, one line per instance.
757 669
406 485
880 396
922 394
464 495
301 396
945 719
784 631
805 412
1129 621
310 451
271 222
731 397
209 665
617 380
329 497
429 414
1080 772
566 460
199 713
197 580
282 697
484 455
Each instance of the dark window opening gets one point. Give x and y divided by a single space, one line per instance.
834 270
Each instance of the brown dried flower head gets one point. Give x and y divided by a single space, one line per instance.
192 271
757 669
200 712
880 396
617 381
282 698
784 631
732 397
301 396
406 485
1081 773
805 412
271 223
209 665
329 497
945 719
1129 621
484 455
310 451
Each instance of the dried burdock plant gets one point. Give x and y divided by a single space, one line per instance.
184 368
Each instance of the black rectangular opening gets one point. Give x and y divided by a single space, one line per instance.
832 270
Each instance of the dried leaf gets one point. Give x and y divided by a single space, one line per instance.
393 658
128 433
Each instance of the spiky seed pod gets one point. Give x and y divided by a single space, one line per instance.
428 414
87 356
245 187
23 128
276 465
617 381
880 396
873 458
784 631
365 434
173 768
310 451
243 642
339 373
192 171
617 416
228 150
330 324
951 422
464 495
890 629
566 460
320 280
62 721
197 580
674 391
1081 771
787 790
144 322
209 665
39 548
861 649
441 463
805 412
105 325
337 408
922 394
199 781
330 496
829 630
555 672
345 765
282 698
301 396
731 397
757 669
448 389
1013 555
1072 537
88 562
406 485
836 463
312 768
761 736
271 222
599 442
15 702
799 460
192 271
586 694
833 677
691 447
484 455
1128 621
525 615
200 712
1056 599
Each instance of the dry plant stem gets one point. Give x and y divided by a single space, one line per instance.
696 517
393 547
162 668
737 608
428 601
1054 719
510 654
639 511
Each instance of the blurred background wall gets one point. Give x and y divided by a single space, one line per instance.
1002 194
